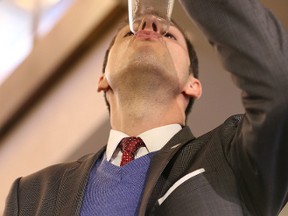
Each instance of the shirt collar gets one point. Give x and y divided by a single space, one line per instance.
154 139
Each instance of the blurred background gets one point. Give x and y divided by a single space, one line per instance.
51 54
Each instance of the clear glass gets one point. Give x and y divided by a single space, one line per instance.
159 11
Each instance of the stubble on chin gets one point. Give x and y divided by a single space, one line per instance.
145 79
146 69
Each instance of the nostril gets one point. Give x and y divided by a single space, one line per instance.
144 25
154 26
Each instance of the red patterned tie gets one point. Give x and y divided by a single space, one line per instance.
129 146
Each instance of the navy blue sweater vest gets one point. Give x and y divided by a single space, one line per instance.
113 190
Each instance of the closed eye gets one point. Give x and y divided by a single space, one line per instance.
170 36
130 33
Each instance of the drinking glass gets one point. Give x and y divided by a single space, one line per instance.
157 10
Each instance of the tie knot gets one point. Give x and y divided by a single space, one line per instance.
129 146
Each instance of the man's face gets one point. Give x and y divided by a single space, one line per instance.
148 59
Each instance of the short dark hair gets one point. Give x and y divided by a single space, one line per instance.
194 65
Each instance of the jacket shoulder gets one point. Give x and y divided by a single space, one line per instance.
234 120
225 131
39 192
53 172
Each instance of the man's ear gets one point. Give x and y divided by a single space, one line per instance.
193 87
103 85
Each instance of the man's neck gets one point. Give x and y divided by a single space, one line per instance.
136 117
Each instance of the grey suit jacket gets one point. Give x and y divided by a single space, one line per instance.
217 190
240 168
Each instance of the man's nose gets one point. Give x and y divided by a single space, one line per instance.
150 23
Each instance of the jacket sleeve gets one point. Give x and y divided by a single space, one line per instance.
11 206
253 47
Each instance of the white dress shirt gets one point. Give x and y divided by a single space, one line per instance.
154 140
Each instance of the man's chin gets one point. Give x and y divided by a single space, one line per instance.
148 43
149 55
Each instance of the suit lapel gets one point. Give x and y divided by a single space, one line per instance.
72 186
160 161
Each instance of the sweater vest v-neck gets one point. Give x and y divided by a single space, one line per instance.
113 190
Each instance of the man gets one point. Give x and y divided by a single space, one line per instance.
239 168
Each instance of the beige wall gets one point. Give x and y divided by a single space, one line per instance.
71 119
62 120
